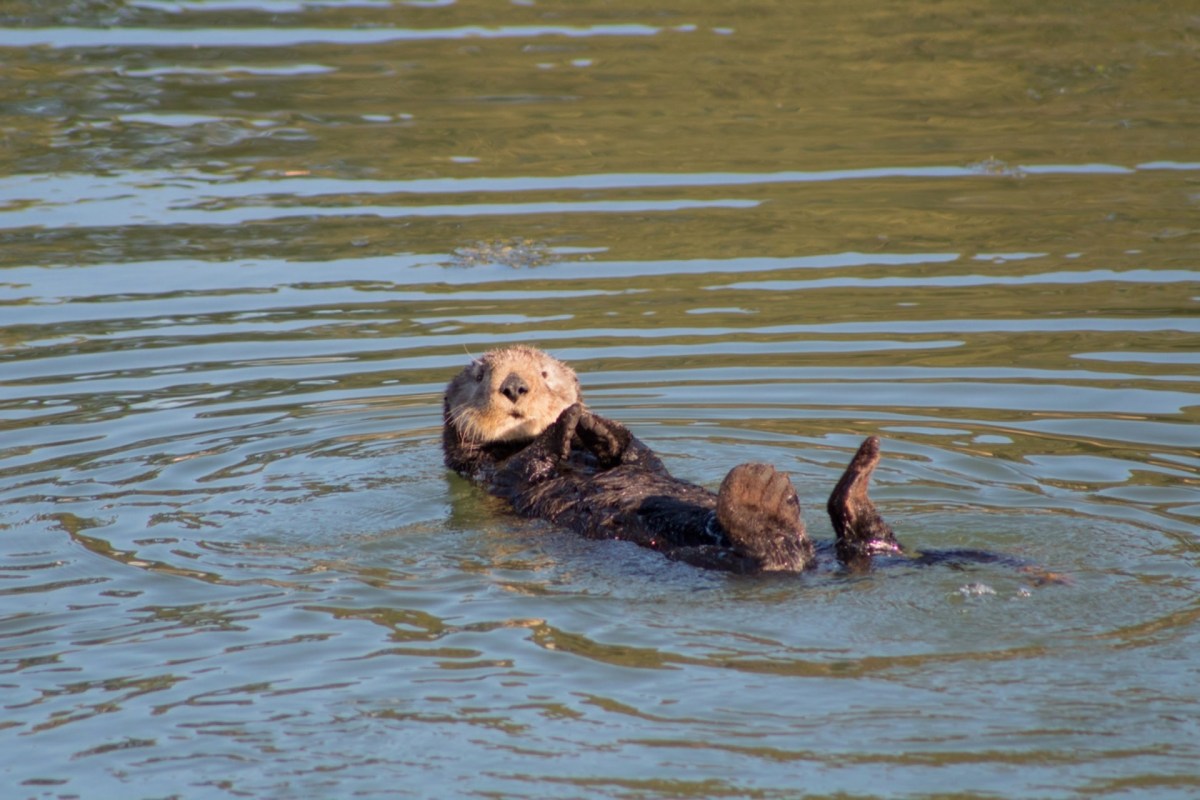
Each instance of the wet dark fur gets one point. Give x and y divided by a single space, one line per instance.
590 474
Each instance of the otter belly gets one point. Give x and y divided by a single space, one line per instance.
626 502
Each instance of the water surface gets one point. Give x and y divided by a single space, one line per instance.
247 243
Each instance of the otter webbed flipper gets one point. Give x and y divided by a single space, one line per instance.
860 528
758 509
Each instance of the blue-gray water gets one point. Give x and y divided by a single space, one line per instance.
246 243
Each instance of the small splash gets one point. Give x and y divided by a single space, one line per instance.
975 590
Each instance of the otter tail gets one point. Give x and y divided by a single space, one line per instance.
758 509
861 531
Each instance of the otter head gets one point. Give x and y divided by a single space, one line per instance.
509 395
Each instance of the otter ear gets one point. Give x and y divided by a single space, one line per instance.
477 369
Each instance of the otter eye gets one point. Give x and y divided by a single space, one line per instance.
545 374
479 375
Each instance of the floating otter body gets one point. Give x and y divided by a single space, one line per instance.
514 422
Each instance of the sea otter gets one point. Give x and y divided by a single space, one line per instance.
514 421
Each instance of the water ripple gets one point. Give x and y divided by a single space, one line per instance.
284 36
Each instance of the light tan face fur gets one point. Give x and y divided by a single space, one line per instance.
510 394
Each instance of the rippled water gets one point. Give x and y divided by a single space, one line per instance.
246 244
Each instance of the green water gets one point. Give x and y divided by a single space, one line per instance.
246 243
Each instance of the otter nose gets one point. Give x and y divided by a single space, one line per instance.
513 387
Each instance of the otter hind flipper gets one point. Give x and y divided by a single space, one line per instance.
860 528
758 509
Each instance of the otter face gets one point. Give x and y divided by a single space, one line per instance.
510 394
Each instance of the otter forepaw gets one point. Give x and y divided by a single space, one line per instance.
558 436
758 509
607 440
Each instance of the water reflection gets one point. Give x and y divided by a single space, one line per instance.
174 198
282 36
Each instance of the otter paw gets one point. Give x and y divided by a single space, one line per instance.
760 513
558 436
860 528
607 440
